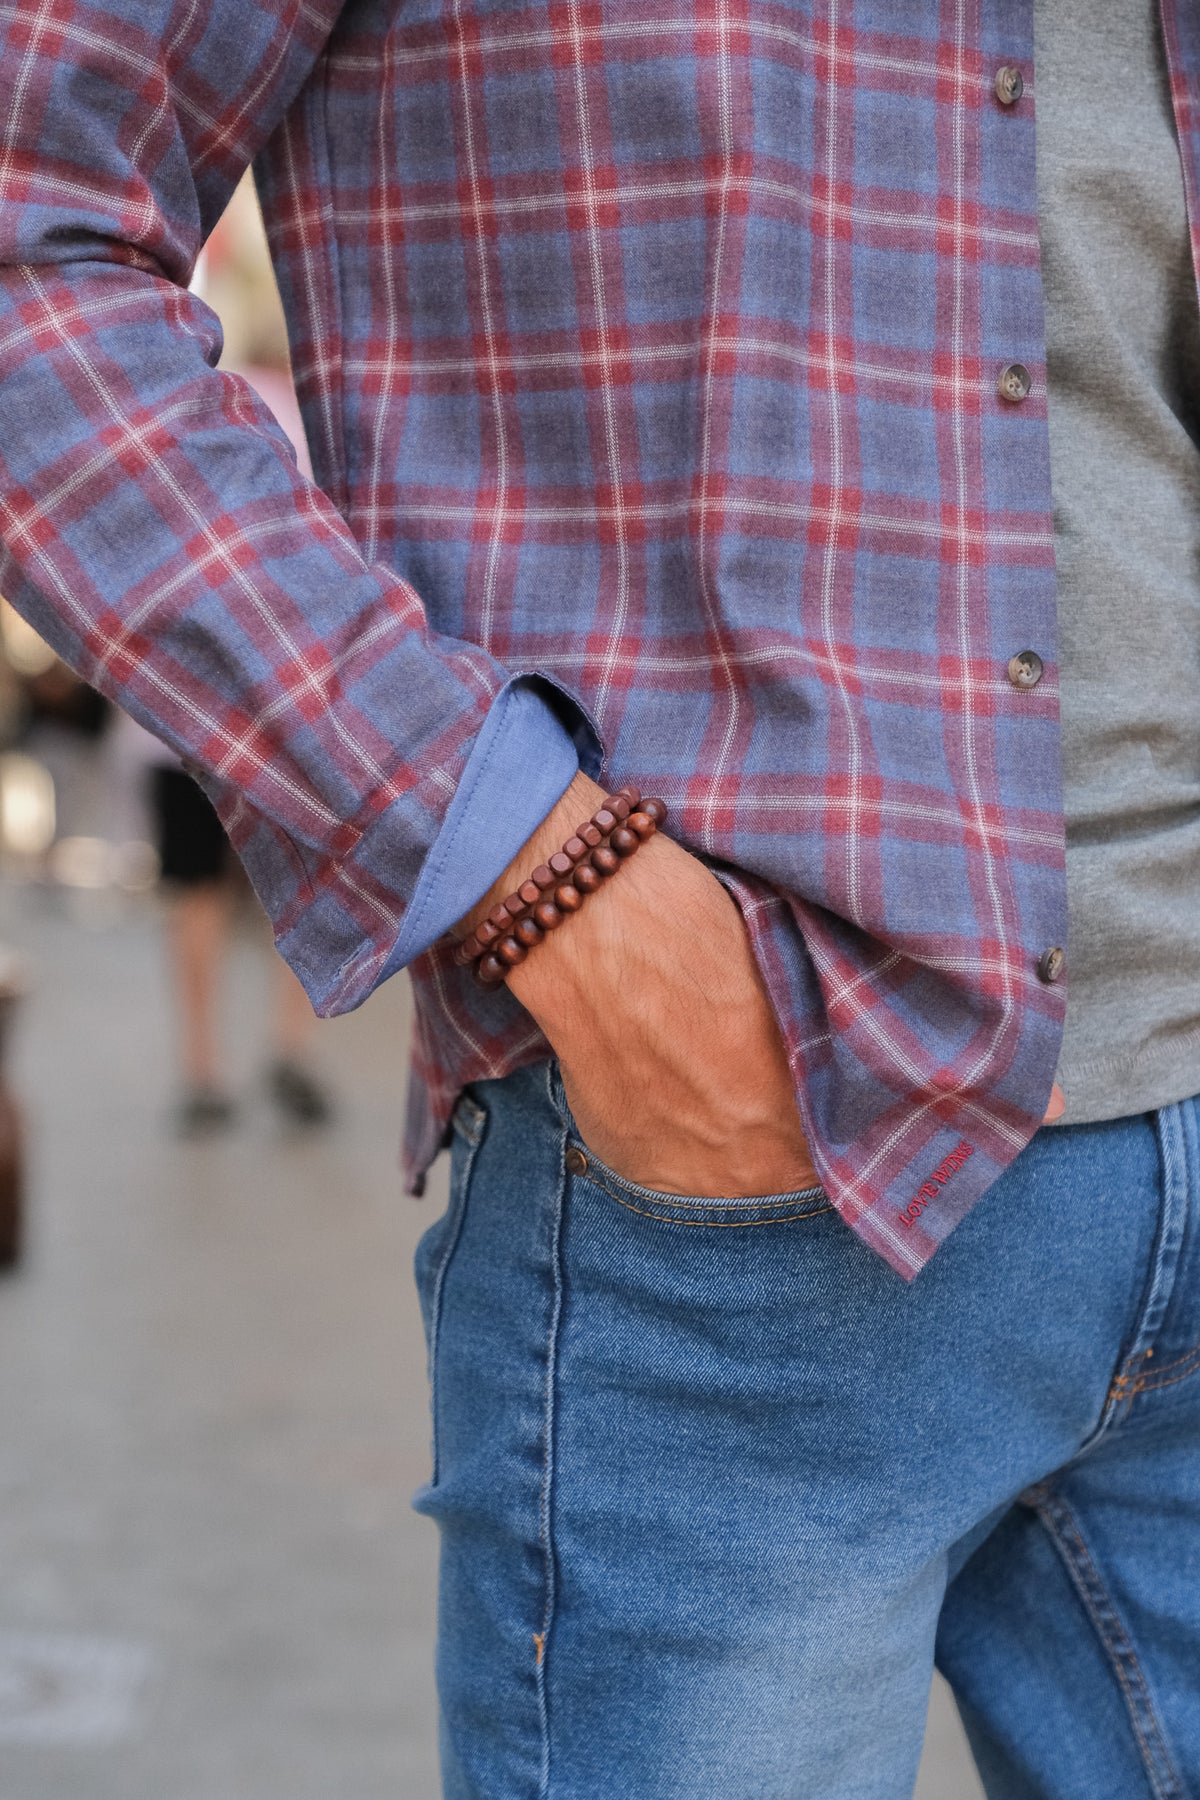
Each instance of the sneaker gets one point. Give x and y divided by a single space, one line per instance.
202 1112
299 1097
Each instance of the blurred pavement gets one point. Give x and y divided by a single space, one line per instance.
213 1401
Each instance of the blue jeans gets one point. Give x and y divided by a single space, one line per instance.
717 1490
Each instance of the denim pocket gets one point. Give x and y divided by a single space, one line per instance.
436 1247
681 1209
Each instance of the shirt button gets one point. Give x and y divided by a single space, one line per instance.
1015 382
1051 963
576 1161
1025 669
1010 84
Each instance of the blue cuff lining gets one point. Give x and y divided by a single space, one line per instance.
522 762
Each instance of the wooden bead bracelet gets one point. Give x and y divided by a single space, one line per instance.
559 887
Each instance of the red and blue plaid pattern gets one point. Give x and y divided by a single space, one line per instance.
653 348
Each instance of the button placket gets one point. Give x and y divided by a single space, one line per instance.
1013 386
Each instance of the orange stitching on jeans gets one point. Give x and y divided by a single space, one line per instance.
1188 1356
1135 1363
1122 1385
1152 1387
1127 1387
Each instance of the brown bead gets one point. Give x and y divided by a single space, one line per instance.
624 841
542 877
491 971
575 848
590 835
500 917
618 806
529 893
527 932
466 950
487 933
604 821
561 864
605 860
586 879
547 915
630 793
568 898
655 809
510 952
642 823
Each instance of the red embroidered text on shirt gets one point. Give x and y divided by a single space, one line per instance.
928 1190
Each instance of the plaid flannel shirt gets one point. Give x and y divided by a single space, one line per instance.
653 351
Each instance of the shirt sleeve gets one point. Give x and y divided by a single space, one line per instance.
155 528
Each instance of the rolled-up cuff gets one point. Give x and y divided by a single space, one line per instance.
525 757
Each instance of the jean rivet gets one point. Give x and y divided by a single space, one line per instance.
576 1161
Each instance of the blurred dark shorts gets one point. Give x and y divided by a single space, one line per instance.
191 842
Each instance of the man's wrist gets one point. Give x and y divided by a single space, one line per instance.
622 935
579 802
609 962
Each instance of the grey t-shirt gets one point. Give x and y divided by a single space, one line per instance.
1123 350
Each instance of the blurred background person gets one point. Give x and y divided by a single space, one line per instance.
202 886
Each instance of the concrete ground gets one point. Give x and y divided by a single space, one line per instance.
213 1404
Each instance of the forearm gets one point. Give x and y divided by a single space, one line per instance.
599 949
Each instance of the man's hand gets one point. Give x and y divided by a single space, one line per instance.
672 1061
673 1064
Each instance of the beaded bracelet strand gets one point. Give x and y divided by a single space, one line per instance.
557 888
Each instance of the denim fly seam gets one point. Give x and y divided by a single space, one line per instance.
1150 1375
1134 1377
1065 1533
470 1120
1174 1126
542 1644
